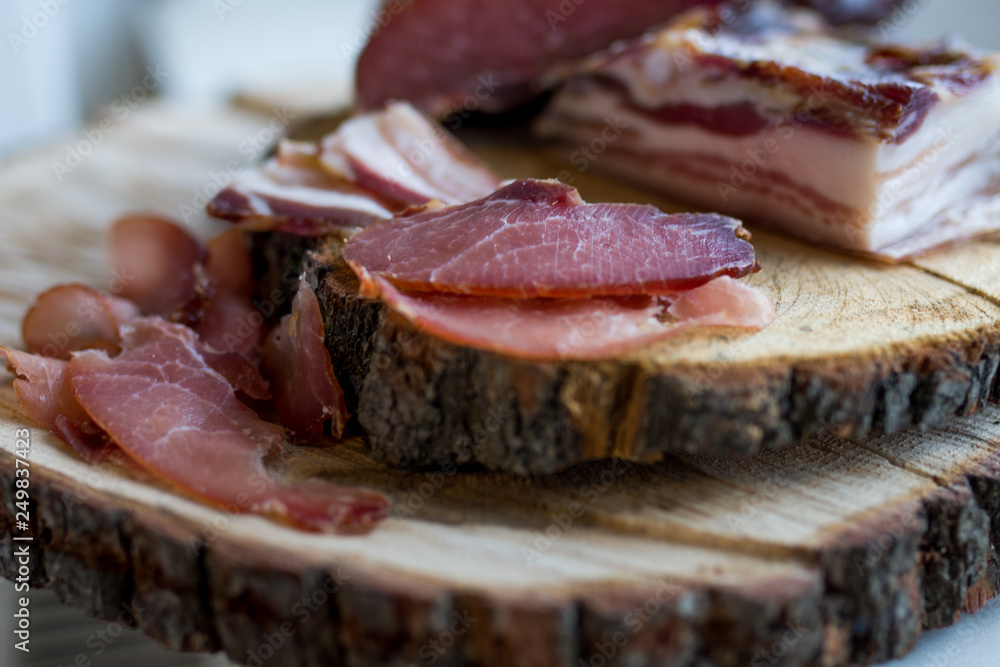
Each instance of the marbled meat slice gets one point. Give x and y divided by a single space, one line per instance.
180 420
539 239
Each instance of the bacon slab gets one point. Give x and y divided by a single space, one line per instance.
181 421
372 167
886 150
580 329
459 56
306 391
539 239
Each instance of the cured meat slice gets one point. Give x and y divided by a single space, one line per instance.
406 159
551 329
373 166
306 391
539 239
44 394
67 318
154 264
180 420
230 323
297 200
457 56
886 150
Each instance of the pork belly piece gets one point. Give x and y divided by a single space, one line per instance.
886 150
458 56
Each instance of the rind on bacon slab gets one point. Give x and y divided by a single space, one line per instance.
886 150
539 239
373 166
458 56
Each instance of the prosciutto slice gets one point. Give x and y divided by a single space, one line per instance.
458 56
579 329
306 391
297 200
44 394
154 263
883 149
539 239
373 166
181 421
72 317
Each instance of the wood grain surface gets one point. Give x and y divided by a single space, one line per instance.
838 551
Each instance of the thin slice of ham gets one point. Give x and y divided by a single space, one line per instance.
156 263
180 420
72 317
373 166
44 394
579 329
539 239
296 199
406 159
306 391
229 322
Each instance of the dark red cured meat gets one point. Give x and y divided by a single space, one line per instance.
72 317
579 329
229 322
466 55
155 262
44 394
306 391
181 421
538 239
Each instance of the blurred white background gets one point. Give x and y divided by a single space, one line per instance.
63 61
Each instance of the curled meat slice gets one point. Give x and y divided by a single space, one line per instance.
72 317
181 421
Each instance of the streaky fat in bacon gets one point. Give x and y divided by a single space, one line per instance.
372 167
883 149
540 239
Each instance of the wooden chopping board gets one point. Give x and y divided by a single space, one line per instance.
833 552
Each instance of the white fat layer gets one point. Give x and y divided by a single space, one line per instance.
256 184
891 190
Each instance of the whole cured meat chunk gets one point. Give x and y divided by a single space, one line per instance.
883 149
539 239
449 56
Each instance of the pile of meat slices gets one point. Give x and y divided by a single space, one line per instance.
178 371
525 268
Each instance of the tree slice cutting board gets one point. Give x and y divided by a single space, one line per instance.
833 552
